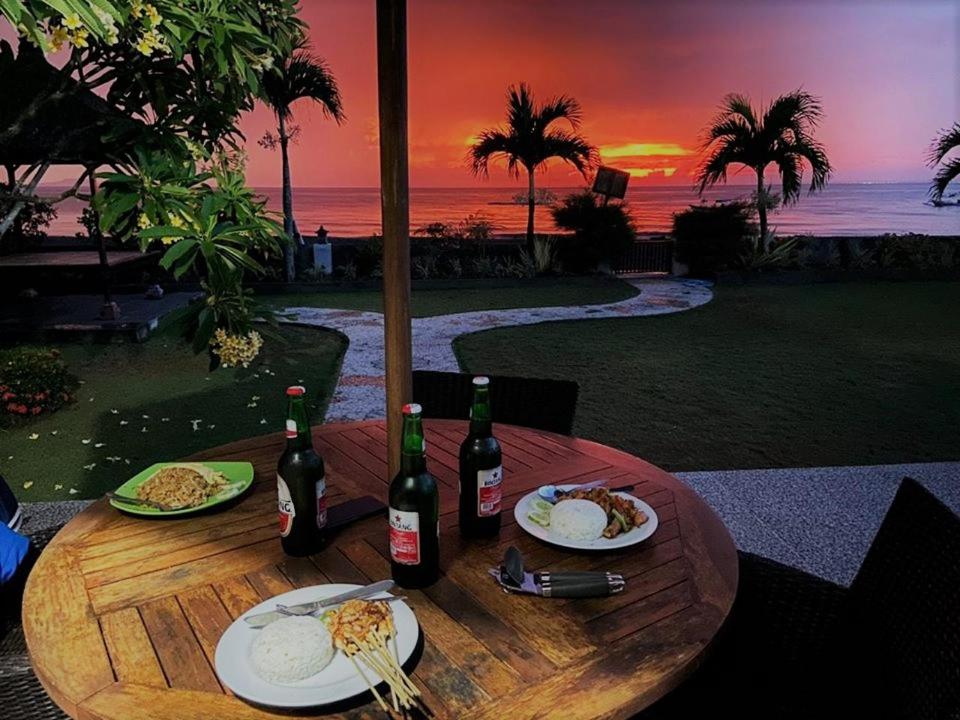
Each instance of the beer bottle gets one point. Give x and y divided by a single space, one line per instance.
301 483
481 469
414 510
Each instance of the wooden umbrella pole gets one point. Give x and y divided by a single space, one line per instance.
395 210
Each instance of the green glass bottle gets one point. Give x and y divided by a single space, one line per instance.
481 469
301 483
414 510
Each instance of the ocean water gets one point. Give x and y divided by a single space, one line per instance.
841 209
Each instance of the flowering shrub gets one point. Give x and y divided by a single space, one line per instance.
236 350
33 381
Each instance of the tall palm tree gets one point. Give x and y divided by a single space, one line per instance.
299 75
944 143
783 136
527 140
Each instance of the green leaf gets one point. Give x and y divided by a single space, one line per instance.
162 231
206 324
176 252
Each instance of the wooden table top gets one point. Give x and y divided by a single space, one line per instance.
122 615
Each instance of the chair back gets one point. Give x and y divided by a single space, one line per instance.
905 606
542 404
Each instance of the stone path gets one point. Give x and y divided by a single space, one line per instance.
360 395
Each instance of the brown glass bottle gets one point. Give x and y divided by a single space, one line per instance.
301 484
481 469
414 510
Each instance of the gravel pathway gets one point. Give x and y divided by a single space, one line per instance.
360 393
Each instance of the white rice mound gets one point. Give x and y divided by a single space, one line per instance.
578 519
291 649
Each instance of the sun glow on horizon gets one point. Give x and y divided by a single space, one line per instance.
644 150
647 172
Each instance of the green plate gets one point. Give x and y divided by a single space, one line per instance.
239 476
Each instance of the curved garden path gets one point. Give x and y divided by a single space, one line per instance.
359 394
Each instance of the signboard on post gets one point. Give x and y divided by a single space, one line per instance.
611 183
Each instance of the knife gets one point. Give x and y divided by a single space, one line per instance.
263 619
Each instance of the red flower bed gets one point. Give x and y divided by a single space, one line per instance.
33 381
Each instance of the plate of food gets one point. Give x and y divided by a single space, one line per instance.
582 518
304 661
181 488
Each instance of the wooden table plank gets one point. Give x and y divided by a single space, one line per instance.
63 636
131 652
181 656
147 601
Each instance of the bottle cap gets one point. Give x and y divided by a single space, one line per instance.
412 409
296 391
481 380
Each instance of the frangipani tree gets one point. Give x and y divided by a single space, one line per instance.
186 69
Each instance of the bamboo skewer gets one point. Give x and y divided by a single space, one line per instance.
364 631
370 685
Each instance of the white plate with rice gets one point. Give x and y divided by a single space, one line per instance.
580 525
244 659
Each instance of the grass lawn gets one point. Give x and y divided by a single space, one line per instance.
473 295
838 374
138 403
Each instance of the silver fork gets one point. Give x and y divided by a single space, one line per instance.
138 501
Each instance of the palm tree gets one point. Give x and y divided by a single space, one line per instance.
946 141
529 141
300 75
738 135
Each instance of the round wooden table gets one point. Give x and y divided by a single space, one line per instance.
122 615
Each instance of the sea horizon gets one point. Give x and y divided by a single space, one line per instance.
850 209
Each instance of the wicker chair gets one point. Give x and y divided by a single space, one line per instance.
21 694
797 646
542 404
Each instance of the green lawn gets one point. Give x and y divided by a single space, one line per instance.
473 295
838 374
138 403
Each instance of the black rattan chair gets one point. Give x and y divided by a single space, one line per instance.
542 404
798 646
21 694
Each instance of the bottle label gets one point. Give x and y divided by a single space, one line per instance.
489 491
404 537
291 429
322 503
285 507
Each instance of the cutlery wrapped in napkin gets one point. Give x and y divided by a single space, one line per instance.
566 584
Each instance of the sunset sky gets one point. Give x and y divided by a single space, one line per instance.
648 75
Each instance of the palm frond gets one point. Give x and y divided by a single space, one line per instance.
570 148
303 75
946 140
713 169
790 168
737 105
948 172
797 110
520 108
491 144
559 108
